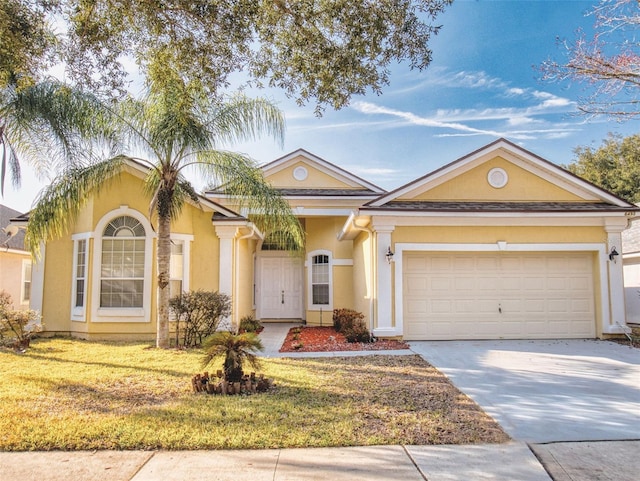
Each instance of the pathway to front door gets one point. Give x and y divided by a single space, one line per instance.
280 287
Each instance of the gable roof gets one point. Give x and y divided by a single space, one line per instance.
219 212
593 198
15 240
356 186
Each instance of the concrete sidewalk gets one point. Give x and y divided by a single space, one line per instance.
503 462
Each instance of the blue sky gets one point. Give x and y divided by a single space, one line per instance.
483 84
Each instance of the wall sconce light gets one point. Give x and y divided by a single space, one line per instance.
389 255
613 254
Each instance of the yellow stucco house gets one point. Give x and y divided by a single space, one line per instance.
497 244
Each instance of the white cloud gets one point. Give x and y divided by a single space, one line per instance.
457 120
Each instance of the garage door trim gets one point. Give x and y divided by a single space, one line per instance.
500 246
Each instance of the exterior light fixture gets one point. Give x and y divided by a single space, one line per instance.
613 254
389 255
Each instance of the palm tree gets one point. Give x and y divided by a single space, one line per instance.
171 129
237 350
44 124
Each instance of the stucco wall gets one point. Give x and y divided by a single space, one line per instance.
126 190
11 276
522 186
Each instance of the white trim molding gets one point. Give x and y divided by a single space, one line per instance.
27 268
384 325
79 313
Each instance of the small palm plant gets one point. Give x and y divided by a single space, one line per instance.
237 350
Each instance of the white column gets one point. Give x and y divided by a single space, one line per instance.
384 325
617 320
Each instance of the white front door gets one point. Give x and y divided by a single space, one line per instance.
280 288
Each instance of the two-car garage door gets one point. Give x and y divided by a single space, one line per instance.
498 295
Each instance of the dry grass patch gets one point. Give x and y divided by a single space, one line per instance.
69 394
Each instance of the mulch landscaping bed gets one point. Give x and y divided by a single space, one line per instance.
326 339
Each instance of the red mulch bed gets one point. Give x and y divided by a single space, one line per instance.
323 339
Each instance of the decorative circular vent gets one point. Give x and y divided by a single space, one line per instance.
300 173
497 178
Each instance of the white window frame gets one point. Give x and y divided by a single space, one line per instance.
311 305
26 264
79 313
185 240
119 314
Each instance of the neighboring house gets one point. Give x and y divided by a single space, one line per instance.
631 265
498 244
15 260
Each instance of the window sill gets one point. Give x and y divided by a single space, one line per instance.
106 314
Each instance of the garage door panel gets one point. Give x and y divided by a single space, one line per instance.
556 306
462 263
440 284
459 295
579 284
440 306
580 306
533 283
417 308
417 283
465 306
441 264
534 306
489 264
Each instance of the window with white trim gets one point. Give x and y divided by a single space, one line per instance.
25 291
80 275
79 280
176 268
123 264
320 280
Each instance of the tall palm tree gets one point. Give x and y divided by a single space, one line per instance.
43 124
171 129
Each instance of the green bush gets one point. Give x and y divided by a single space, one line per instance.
351 324
198 314
250 324
357 332
344 318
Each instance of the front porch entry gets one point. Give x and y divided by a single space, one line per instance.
279 286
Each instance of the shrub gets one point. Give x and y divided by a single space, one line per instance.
198 314
351 324
250 324
236 349
345 318
16 327
357 332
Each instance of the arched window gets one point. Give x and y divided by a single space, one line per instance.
122 267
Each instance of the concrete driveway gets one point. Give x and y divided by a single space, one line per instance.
547 391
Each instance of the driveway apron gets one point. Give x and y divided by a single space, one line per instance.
547 391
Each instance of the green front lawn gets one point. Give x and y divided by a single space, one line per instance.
71 394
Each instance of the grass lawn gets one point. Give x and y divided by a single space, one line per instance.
71 394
